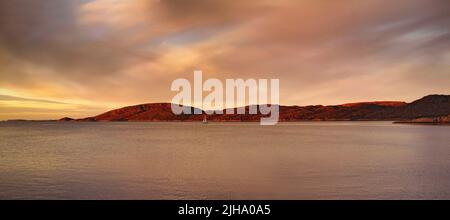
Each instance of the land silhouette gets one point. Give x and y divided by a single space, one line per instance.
429 109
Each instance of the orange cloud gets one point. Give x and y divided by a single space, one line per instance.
107 53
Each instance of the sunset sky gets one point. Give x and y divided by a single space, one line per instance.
79 58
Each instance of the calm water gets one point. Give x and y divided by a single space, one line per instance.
317 160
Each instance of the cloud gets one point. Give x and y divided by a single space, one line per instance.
14 98
126 52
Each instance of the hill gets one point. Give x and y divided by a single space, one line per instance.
428 106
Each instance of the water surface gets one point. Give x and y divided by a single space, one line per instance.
308 160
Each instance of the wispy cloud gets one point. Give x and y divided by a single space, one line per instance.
127 52
14 98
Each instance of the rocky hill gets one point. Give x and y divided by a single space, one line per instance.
428 106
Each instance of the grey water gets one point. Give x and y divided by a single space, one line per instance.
304 160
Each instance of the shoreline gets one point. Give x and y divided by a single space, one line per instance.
421 123
234 122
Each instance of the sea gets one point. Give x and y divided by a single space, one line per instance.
229 160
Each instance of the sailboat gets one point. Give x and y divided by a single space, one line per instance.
204 120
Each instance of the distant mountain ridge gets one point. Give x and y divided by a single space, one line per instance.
428 106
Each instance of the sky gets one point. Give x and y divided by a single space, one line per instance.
78 58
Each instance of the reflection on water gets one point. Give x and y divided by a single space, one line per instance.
317 160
